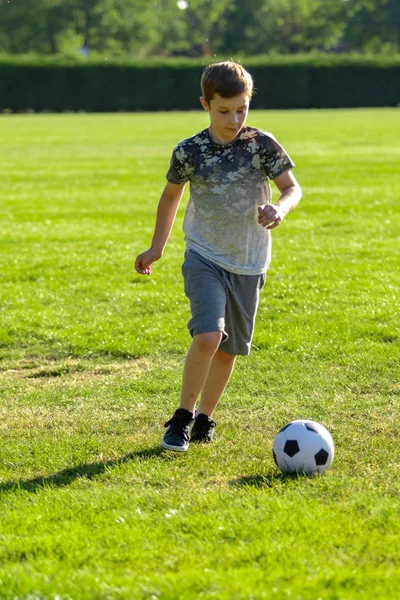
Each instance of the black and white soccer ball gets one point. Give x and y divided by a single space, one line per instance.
303 447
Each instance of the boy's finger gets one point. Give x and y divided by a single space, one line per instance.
273 225
138 265
140 268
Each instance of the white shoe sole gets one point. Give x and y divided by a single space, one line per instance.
174 448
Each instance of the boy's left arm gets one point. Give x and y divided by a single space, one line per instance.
271 215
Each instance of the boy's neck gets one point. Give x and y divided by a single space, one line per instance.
222 142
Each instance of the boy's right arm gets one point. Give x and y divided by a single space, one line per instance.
166 213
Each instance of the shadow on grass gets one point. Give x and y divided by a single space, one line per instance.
87 471
267 481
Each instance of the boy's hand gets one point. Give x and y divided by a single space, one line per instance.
270 215
145 260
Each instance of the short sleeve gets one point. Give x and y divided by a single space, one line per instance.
179 167
274 158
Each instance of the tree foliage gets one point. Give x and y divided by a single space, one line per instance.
199 27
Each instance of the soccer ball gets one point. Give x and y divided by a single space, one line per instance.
303 447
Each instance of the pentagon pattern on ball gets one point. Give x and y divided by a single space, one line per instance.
291 447
285 427
321 458
310 427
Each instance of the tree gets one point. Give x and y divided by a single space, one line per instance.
129 25
199 27
26 25
194 29
372 25
283 26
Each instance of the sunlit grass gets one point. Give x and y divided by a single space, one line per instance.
91 355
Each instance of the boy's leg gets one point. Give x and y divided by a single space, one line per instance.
197 368
220 371
218 376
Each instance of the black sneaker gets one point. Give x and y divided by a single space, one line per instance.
203 429
177 435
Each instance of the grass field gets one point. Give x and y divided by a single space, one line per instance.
91 355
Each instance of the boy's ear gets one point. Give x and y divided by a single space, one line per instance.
204 104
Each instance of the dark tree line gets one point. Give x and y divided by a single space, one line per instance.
199 27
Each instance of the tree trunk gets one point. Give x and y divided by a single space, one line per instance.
53 44
86 30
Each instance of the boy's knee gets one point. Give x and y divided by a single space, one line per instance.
225 357
208 343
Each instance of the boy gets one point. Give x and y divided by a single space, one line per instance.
227 232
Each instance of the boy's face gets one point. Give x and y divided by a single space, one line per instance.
227 116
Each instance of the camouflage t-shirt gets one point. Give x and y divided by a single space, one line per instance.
227 184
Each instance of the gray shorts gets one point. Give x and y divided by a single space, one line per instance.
221 301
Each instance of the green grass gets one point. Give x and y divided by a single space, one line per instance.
91 355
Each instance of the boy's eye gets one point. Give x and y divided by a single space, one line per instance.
225 112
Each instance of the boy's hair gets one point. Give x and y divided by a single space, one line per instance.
227 79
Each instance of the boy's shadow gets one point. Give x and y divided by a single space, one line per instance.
266 481
67 476
93 470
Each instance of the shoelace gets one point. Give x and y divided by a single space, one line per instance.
178 426
205 426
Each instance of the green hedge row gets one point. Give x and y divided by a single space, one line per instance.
101 85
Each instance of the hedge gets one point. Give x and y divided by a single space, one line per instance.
101 85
